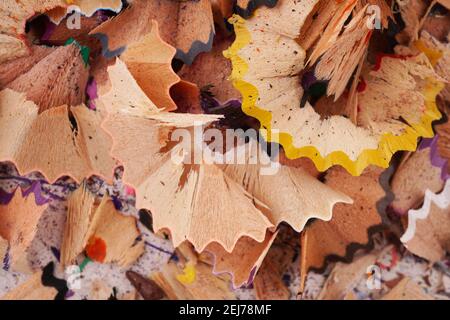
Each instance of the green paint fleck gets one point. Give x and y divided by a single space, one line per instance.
84 263
84 51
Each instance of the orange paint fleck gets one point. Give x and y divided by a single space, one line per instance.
96 249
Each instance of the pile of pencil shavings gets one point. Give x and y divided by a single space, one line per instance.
222 149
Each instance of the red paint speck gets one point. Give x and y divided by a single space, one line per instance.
362 85
384 55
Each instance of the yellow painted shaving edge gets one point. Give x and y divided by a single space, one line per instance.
189 274
389 143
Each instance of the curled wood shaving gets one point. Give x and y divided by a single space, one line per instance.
351 225
107 235
18 225
244 261
413 177
407 289
31 289
205 286
428 231
48 142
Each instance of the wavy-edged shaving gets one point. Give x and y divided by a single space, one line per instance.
267 77
428 231
48 143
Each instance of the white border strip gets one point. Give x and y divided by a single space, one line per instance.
442 200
